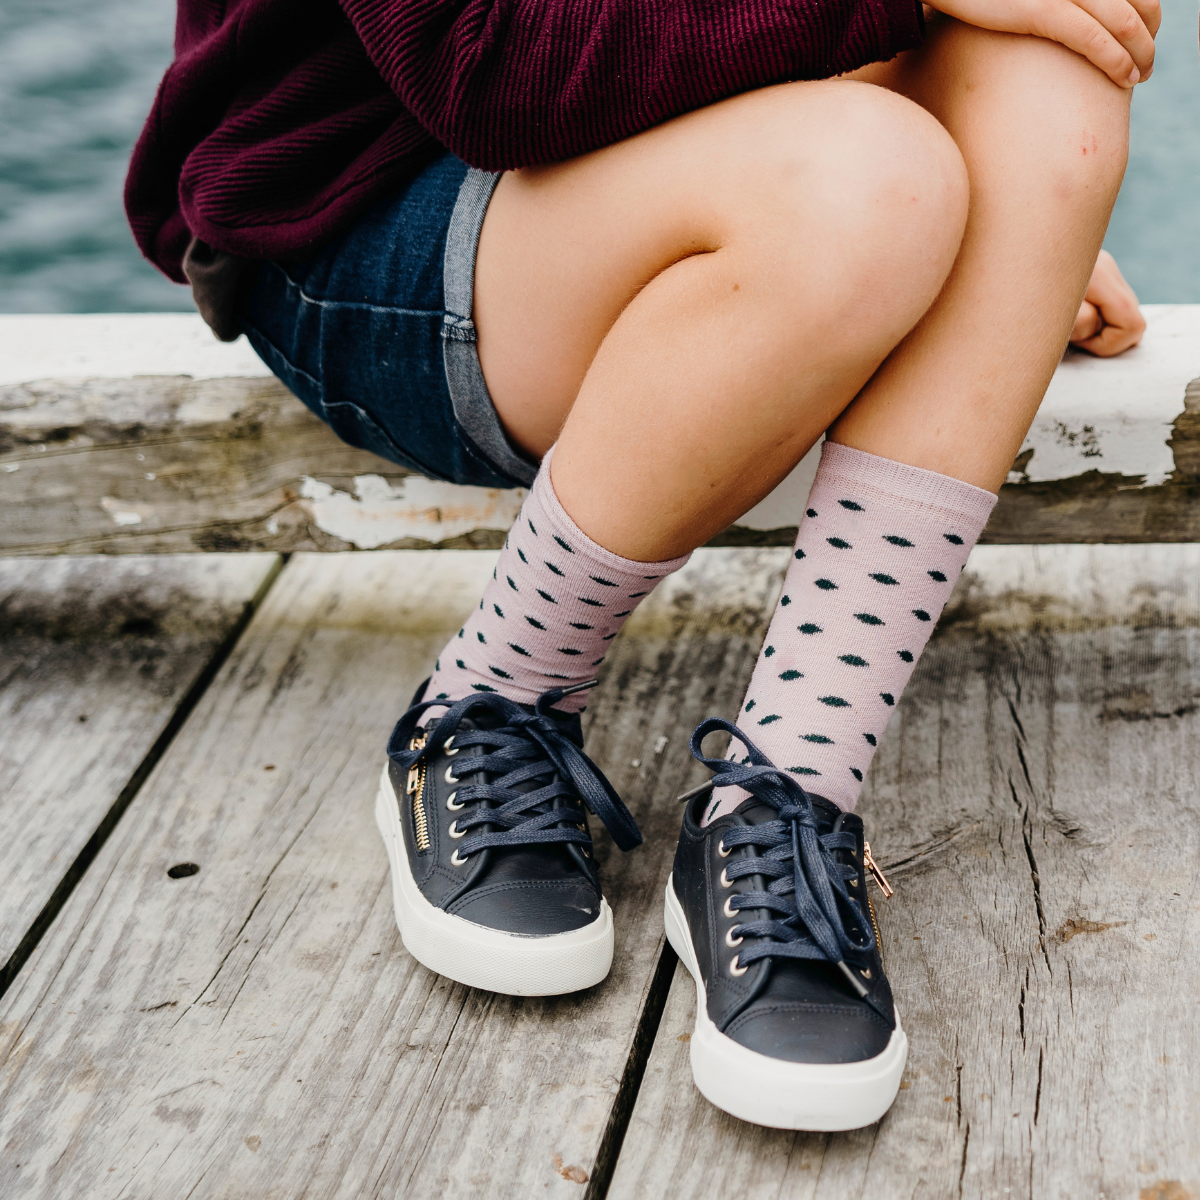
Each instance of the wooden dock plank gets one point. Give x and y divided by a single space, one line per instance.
257 1029
138 433
1036 802
96 655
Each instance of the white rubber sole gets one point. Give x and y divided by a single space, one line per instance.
510 963
782 1095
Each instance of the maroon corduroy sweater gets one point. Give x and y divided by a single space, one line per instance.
280 121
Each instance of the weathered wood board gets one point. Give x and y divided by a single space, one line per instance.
256 1029
96 657
1035 802
107 445
169 464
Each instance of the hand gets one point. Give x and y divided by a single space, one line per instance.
1117 36
1109 320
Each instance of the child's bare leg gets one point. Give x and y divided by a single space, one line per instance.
692 307
1044 135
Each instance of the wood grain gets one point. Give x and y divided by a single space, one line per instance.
165 464
157 464
257 1029
96 654
1035 802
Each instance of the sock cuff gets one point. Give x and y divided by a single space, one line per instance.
914 489
542 493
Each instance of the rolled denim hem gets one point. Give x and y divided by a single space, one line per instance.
469 396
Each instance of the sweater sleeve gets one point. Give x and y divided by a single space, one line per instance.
511 83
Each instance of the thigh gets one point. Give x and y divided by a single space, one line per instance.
565 248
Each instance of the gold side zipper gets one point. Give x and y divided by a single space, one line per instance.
886 888
872 866
416 789
875 926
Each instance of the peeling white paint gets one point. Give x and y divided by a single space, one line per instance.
379 513
123 512
1111 415
1115 414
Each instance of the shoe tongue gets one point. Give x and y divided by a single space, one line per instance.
756 812
569 724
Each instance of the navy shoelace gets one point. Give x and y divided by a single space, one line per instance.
812 912
520 746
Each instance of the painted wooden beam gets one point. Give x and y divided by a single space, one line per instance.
141 434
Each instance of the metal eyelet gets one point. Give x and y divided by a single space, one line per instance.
736 970
728 910
454 830
458 862
451 805
721 849
853 883
449 778
446 747
731 941
725 880
865 972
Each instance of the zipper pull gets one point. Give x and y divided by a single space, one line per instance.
879 877
414 772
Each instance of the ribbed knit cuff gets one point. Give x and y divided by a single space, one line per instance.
593 549
913 489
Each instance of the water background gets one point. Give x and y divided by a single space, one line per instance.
77 78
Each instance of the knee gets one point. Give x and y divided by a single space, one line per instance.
1083 156
871 172
1056 128
904 167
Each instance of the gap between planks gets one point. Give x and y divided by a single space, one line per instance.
1037 795
285 1043
135 643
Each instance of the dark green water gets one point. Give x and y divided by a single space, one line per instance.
76 80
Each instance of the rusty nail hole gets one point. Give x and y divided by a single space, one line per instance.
183 870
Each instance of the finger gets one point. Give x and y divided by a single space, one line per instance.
1078 30
1087 324
1110 341
1123 21
1119 309
1151 13
1115 300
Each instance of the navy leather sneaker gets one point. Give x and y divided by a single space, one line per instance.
483 815
768 909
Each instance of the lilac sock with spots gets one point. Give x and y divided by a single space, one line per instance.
876 559
551 611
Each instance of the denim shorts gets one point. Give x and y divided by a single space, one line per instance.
374 333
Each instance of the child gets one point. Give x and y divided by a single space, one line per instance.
703 252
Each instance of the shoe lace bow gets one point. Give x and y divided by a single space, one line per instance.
520 746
